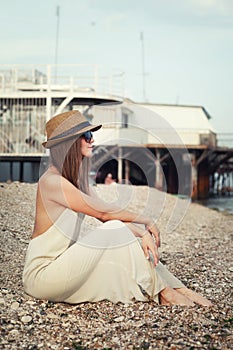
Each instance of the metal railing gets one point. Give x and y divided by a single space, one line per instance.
26 101
64 77
225 140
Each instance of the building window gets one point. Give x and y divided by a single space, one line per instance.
124 122
126 117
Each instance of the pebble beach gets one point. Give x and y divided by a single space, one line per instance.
198 250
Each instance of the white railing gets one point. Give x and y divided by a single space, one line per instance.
67 77
225 140
26 98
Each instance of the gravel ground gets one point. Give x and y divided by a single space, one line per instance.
198 251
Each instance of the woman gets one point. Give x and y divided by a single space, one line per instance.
108 262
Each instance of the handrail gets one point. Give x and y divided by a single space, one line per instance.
19 77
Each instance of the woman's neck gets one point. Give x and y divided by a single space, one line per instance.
53 170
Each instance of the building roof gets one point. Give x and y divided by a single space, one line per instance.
183 117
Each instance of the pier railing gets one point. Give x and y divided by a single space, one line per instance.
225 140
63 77
30 94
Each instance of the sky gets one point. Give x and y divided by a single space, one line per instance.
188 46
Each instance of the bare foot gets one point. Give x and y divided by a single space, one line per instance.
195 297
169 296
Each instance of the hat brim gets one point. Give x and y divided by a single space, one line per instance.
51 143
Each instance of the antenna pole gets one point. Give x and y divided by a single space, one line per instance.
57 39
143 67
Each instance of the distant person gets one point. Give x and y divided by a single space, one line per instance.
108 262
109 180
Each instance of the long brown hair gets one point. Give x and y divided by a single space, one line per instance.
67 158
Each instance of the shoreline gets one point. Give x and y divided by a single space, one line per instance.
222 204
198 251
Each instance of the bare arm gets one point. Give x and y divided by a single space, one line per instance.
55 188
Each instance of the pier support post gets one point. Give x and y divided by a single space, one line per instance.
203 180
194 193
119 172
158 171
127 171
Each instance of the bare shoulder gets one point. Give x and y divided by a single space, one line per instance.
54 187
50 178
49 185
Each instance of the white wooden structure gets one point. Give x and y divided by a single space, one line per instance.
155 124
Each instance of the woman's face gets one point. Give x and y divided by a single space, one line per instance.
86 147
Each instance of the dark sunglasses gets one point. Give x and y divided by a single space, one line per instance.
87 136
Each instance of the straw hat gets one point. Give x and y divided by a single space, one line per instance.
65 126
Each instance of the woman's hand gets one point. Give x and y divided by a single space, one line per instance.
148 245
153 229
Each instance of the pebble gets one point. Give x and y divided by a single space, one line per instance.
115 339
30 302
9 296
26 319
50 315
119 319
208 290
15 305
4 291
14 332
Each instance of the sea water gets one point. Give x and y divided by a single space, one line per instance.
220 203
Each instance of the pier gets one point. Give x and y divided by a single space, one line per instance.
169 147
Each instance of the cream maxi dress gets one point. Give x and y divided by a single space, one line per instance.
104 263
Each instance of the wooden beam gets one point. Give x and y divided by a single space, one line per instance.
220 161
